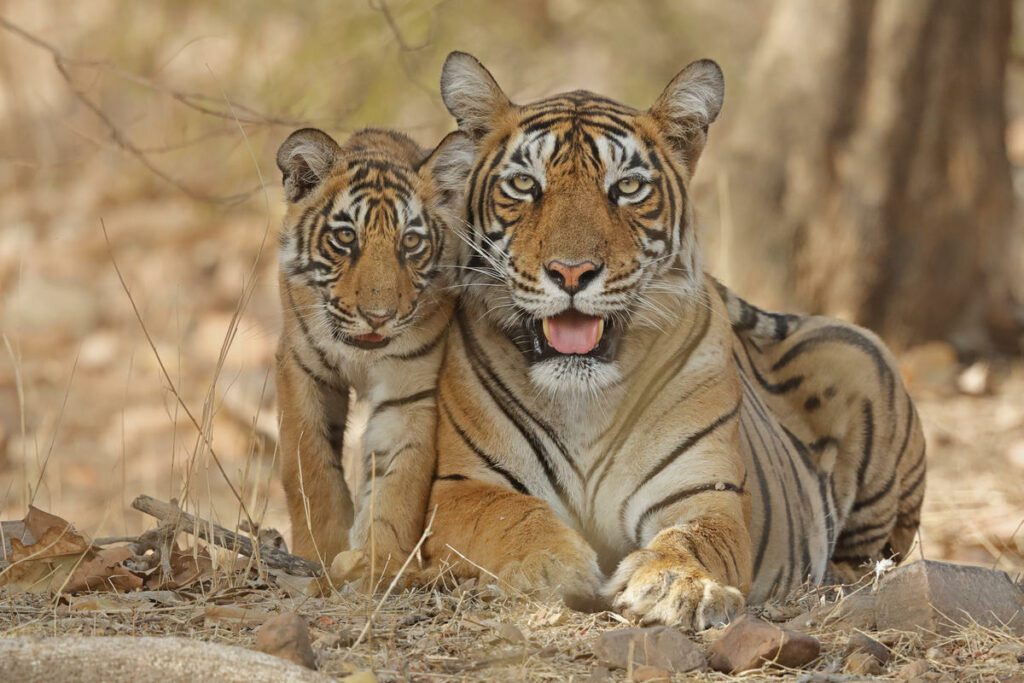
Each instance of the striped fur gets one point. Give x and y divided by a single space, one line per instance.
714 453
365 279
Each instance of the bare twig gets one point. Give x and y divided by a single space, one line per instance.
219 536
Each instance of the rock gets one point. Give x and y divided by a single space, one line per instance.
286 636
853 613
1008 650
861 643
651 673
915 669
863 664
975 380
659 646
933 598
600 674
360 677
749 643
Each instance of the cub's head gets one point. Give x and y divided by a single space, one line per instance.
365 252
578 211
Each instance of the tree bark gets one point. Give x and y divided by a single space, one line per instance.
867 167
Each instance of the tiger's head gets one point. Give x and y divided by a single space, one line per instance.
578 213
364 244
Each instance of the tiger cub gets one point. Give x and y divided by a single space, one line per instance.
610 420
365 264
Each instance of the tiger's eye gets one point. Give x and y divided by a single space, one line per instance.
412 240
628 186
523 182
343 239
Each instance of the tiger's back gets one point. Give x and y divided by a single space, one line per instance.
831 438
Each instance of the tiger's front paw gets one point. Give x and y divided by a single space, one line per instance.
657 588
569 572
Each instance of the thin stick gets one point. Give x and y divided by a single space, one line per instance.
218 535
394 582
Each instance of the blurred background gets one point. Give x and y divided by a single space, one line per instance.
867 165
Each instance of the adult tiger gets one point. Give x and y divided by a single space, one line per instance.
365 264
598 411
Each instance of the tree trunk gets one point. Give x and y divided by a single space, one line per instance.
867 168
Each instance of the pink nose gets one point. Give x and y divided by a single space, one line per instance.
572 277
376 318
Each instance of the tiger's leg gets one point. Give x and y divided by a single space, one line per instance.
514 536
312 423
399 461
696 569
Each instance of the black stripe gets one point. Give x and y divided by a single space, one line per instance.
783 387
423 350
403 401
490 462
765 500
451 477
667 501
689 443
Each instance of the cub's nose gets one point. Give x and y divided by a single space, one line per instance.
377 318
572 277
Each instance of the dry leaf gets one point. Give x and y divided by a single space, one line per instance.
44 554
104 572
297 586
104 603
234 616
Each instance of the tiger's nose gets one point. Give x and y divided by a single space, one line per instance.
377 318
572 277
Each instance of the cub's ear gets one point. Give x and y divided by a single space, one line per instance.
450 164
305 159
690 104
471 94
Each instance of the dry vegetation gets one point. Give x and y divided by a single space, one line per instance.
159 122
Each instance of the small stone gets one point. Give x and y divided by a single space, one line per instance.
862 643
658 646
853 613
912 670
360 677
934 598
749 643
975 380
1011 651
651 673
600 674
286 636
863 664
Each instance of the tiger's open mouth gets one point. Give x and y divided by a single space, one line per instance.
371 340
570 333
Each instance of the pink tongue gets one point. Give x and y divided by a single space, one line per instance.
573 332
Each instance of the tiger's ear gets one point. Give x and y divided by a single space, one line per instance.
471 94
305 159
450 164
690 104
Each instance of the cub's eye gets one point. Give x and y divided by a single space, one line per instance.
629 186
411 241
343 238
523 183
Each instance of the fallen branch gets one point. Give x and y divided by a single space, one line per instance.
218 535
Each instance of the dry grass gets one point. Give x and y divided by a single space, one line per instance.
453 632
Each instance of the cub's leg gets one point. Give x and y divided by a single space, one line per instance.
398 467
312 417
514 536
695 571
